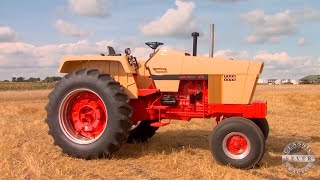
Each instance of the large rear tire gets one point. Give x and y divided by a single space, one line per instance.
88 114
238 142
142 131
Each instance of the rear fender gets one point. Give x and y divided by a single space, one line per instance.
116 66
72 63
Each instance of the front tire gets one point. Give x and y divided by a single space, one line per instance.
238 142
88 114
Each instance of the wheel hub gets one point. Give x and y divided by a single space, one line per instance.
236 145
83 116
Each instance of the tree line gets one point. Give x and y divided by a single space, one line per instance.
33 79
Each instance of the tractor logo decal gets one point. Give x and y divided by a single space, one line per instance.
230 77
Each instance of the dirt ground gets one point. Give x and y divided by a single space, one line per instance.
177 151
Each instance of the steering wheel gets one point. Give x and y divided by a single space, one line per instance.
154 45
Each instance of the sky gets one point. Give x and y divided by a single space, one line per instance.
35 35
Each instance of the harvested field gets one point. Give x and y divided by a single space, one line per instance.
23 86
177 151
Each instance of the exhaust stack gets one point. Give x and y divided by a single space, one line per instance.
211 46
195 43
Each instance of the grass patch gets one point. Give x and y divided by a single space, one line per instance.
22 86
315 138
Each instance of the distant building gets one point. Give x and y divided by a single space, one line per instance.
311 79
262 81
295 81
285 81
278 81
267 81
271 81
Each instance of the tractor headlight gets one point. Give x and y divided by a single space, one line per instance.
127 51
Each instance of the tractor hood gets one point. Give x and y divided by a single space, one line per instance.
224 75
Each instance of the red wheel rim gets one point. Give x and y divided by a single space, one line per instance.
236 145
83 116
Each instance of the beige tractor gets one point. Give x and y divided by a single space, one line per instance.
106 100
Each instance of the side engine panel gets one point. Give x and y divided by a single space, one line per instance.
190 100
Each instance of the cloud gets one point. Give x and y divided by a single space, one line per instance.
25 59
70 29
277 60
94 8
277 64
282 65
270 28
143 53
232 54
20 57
292 66
283 61
301 42
7 34
228 1
175 22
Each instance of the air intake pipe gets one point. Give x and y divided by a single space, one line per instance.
195 43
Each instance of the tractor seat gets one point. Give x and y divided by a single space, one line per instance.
112 52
